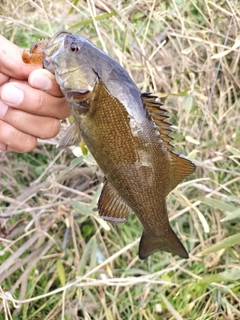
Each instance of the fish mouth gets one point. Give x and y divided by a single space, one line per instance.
79 95
80 99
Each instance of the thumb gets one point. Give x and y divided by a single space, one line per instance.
44 80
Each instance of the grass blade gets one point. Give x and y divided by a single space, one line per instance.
225 243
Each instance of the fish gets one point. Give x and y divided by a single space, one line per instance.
127 133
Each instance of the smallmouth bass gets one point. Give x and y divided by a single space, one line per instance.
128 135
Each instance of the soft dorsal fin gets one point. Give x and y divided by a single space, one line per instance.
111 206
159 116
180 167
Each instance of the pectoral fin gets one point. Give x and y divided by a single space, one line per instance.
111 207
70 137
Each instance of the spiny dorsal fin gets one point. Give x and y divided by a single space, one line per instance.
159 116
111 206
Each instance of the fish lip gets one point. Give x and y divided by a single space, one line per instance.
80 91
79 99
79 94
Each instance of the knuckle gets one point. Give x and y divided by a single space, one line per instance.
7 132
55 128
29 145
15 139
40 103
66 109
60 108
51 130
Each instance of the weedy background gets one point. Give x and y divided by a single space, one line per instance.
59 260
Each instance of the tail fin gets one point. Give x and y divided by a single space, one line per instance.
170 243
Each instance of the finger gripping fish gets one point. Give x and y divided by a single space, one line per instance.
127 133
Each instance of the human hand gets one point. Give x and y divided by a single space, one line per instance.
31 103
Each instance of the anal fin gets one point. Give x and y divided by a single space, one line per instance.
111 206
70 137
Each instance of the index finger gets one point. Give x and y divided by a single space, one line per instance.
19 95
11 63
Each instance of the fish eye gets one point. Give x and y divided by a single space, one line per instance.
74 47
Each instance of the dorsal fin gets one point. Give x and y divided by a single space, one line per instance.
180 167
159 116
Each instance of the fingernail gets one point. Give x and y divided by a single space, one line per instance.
11 95
3 109
40 82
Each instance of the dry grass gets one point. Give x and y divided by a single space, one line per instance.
59 260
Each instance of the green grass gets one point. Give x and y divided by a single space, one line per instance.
58 259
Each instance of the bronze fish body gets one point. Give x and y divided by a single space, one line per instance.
127 134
